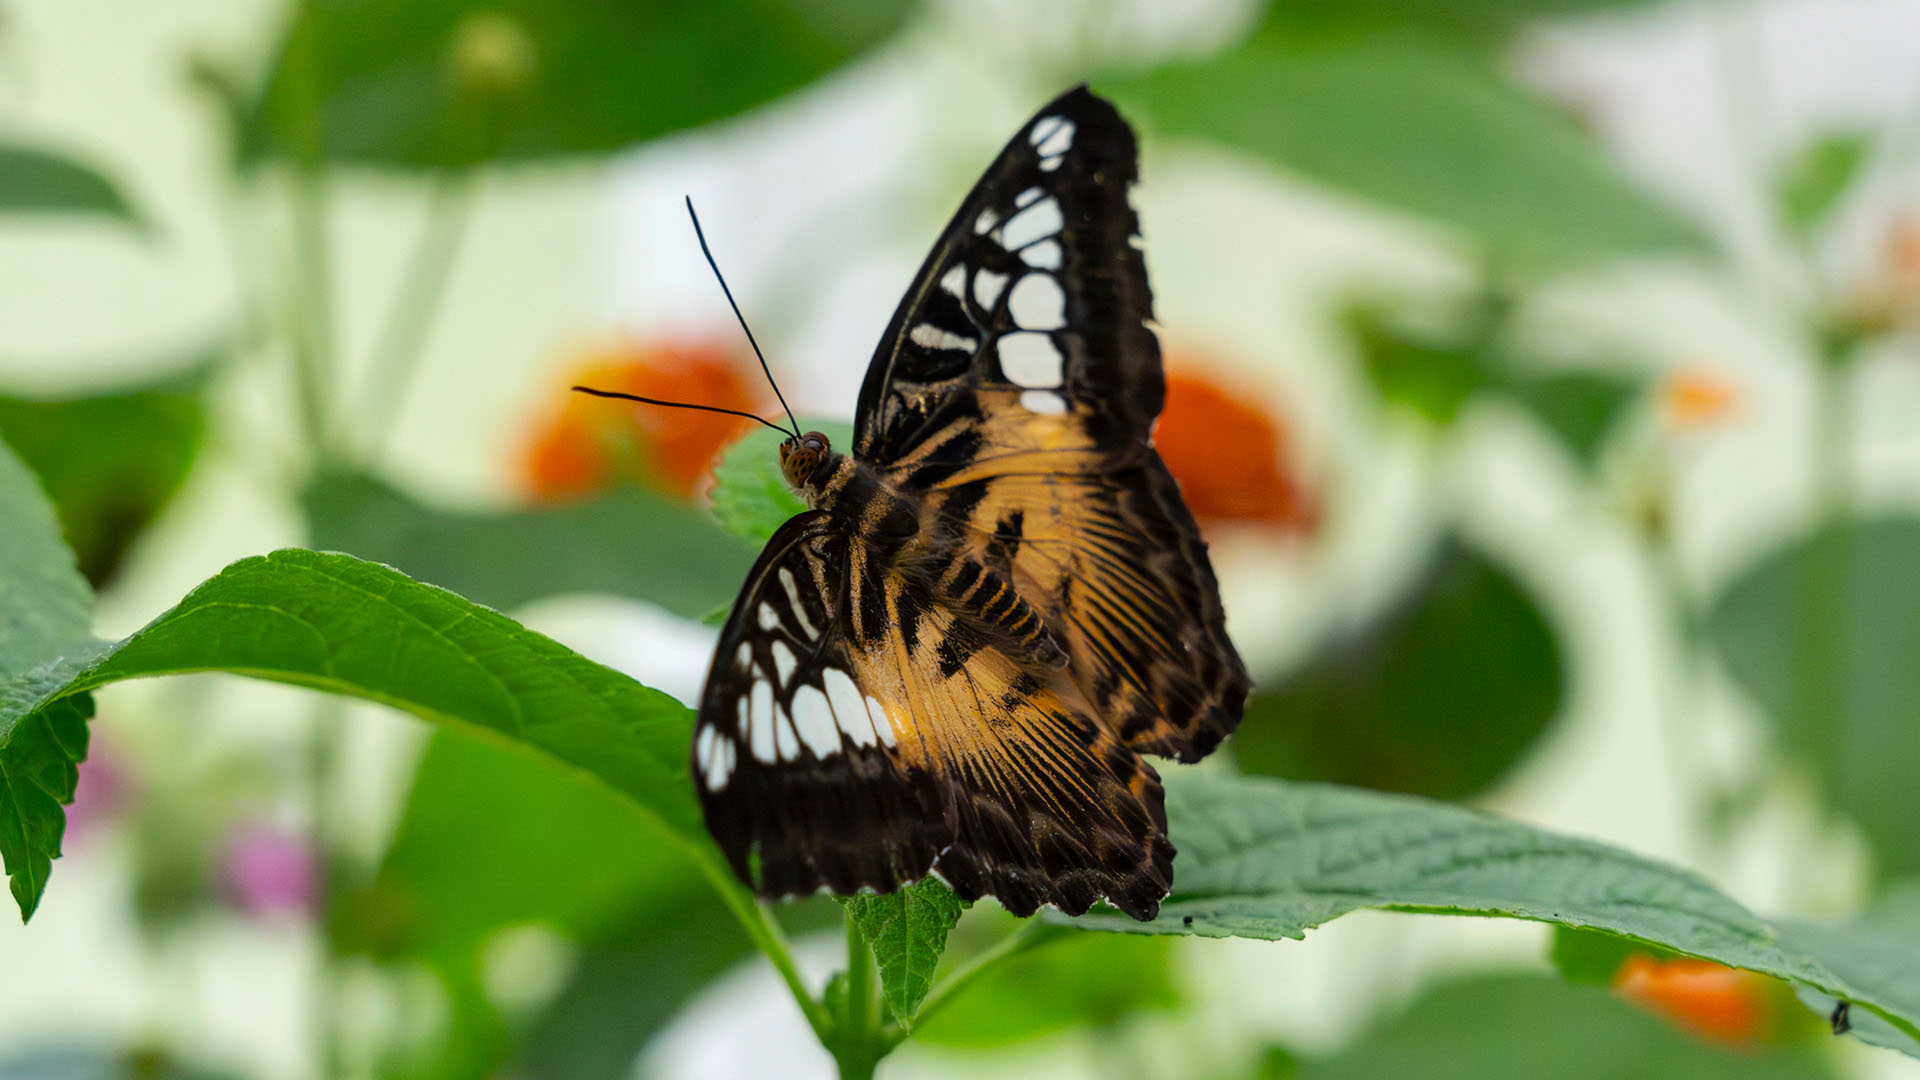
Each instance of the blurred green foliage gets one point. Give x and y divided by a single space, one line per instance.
1814 179
448 83
1822 632
40 182
1413 122
1525 1025
1074 980
1440 695
110 462
627 542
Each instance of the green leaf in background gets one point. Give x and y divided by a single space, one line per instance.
1435 377
45 618
1823 633
1074 980
448 82
1880 951
750 496
335 623
90 1062
1413 124
1528 1026
36 182
1481 15
110 462
1439 696
494 838
1266 859
630 543
907 930
1815 178
1580 409
1431 379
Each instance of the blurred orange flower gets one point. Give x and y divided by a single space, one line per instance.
1234 462
585 445
1717 1003
1695 397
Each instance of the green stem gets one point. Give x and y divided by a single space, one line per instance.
311 304
855 1049
323 756
398 350
765 935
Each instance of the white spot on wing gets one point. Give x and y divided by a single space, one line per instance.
986 221
762 721
882 725
1052 141
1036 222
743 657
1044 255
721 770
930 336
1027 197
1030 360
1038 303
1048 164
799 609
849 708
784 660
813 718
784 739
987 285
768 620
955 280
703 748
1043 401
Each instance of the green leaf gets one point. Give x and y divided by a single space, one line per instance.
36 181
1525 1025
750 496
1439 696
1814 179
1880 952
1822 633
1074 980
110 462
48 604
907 930
631 543
1580 409
1265 859
1432 379
1408 122
430 83
45 616
335 623
1477 14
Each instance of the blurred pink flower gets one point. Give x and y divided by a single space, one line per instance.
267 871
104 789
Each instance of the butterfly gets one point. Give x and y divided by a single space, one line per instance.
954 661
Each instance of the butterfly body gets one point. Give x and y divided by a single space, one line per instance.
953 661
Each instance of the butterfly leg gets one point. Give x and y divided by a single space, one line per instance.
990 603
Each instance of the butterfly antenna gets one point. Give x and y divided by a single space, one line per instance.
678 405
708 252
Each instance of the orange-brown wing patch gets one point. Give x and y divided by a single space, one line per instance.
1045 805
1101 544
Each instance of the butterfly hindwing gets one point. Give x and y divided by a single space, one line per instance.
796 766
822 761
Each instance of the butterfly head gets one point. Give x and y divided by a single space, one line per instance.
806 461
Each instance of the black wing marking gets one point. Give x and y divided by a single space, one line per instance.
1036 289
